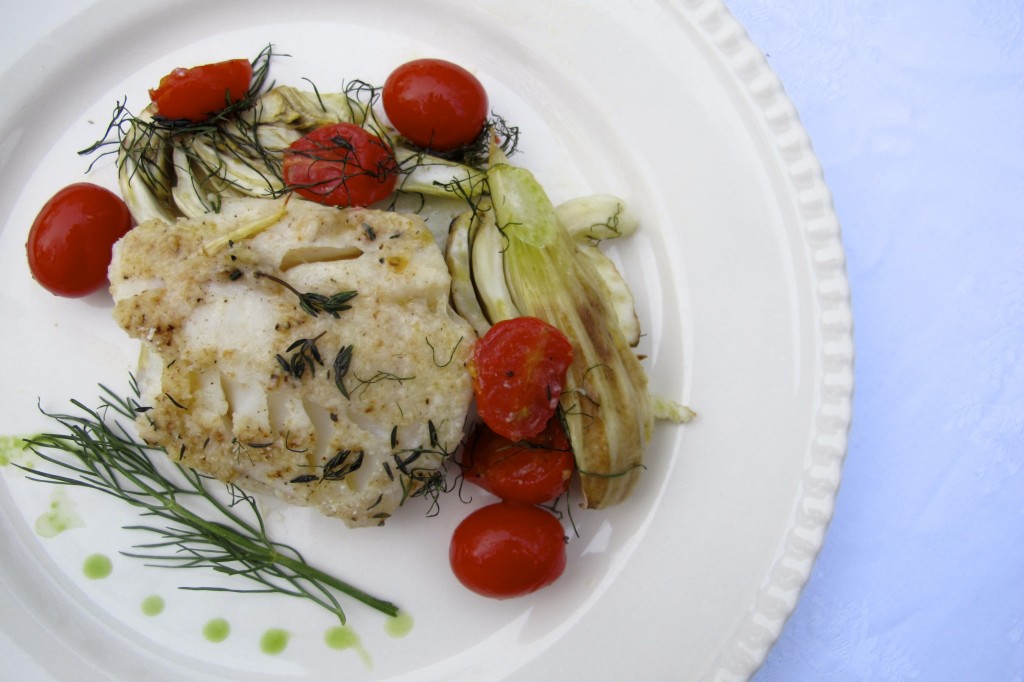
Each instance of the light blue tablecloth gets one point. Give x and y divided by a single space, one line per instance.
916 110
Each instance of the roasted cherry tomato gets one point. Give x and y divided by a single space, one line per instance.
531 471
435 104
342 165
507 550
518 370
197 93
70 241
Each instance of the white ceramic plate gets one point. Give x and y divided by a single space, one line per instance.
740 281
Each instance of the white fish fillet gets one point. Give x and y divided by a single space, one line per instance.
216 328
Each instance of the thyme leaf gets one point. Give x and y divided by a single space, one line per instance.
337 468
341 365
305 355
340 466
313 303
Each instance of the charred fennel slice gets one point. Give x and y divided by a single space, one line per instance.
168 172
169 169
516 254
193 524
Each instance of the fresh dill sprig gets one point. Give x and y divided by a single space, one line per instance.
97 452
451 356
364 384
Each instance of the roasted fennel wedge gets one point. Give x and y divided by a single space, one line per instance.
169 169
605 406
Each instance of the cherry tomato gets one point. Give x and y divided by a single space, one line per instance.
527 472
435 104
341 165
518 370
71 238
507 550
197 93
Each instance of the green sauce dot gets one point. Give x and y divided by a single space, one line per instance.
97 566
14 450
398 626
153 605
60 517
341 637
274 641
7 449
216 630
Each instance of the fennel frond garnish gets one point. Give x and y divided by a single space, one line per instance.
194 527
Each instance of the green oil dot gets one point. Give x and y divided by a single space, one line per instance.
8 449
97 566
398 626
59 517
343 637
274 641
153 605
14 450
216 630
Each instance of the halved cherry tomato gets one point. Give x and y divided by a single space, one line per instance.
197 93
531 471
507 550
518 370
71 238
435 104
341 165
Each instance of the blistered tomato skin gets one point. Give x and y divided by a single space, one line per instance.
526 472
436 104
69 245
518 370
195 94
507 550
341 164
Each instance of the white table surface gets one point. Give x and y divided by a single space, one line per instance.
916 111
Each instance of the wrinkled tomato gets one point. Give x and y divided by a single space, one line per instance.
531 471
196 94
436 104
69 244
518 370
507 550
341 164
